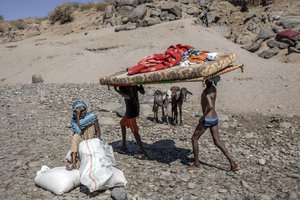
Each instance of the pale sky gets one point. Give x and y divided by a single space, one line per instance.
15 9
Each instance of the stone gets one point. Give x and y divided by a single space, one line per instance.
289 21
119 194
254 46
244 184
269 52
285 125
265 33
37 78
261 161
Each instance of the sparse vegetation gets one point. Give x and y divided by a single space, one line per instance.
19 24
63 13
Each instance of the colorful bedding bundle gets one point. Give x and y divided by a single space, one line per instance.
179 62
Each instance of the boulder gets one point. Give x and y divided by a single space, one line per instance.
127 3
274 43
125 10
269 52
138 13
289 21
37 78
265 33
254 46
109 11
172 8
275 15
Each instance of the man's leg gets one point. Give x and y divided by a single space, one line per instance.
97 129
124 146
139 142
220 144
200 129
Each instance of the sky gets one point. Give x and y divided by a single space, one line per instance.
15 9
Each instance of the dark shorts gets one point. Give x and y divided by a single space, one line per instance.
210 122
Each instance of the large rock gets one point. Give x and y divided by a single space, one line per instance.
125 10
172 8
254 46
269 52
119 194
275 15
126 3
265 33
289 21
138 13
274 43
109 12
37 78
150 21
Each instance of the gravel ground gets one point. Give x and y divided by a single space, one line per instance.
35 131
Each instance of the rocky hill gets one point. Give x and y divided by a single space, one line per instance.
252 24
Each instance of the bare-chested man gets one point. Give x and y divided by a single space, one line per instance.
209 120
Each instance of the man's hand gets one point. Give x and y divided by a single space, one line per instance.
201 118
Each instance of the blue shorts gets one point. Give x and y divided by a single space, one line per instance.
210 122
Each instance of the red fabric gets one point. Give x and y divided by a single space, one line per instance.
154 62
290 34
130 123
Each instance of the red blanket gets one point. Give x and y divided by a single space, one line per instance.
154 62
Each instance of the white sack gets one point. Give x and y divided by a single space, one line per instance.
57 180
96 167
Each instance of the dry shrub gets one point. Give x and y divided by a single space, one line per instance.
101 6
19 24
86 6
63 13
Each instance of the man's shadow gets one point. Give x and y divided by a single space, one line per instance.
163 151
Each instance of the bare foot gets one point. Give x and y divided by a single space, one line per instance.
235 168
141 156
194 167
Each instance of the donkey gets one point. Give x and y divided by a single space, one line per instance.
161 99
178 97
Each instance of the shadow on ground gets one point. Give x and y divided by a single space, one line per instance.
163 151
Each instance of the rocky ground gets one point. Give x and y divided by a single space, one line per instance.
35 131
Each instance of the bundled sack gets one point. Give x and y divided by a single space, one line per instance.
97 171
57 180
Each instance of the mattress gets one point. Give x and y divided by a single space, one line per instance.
176 73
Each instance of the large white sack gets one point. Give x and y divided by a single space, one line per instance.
96 168
57 180
117 179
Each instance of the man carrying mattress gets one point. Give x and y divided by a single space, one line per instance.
209 120
131 98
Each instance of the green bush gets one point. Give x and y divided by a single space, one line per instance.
63 13
1 17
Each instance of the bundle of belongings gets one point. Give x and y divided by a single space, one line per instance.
174 55
179 63
97 170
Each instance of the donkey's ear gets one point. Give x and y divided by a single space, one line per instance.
189 93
